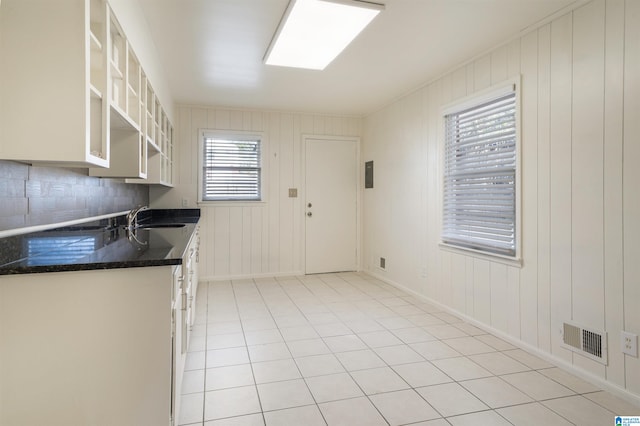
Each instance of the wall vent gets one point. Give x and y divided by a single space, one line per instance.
590 343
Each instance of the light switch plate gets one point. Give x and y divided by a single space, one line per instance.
629 343
293 192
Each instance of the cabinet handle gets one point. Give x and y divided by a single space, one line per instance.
173 323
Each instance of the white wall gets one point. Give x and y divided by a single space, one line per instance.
580 150
250 239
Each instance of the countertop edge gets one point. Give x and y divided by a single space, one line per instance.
90 266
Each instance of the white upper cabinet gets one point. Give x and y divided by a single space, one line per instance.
52 82
123 80
73 93
136 136
157 132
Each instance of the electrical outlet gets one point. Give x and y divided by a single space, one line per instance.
383 263
629 343
185 202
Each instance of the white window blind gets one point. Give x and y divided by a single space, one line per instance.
480 177
231 169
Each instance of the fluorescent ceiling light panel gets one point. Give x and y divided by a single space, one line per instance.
313 32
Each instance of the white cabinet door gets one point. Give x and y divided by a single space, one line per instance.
87 347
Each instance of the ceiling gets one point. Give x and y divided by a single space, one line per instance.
212 50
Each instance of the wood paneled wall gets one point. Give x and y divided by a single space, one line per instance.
580 203
251 239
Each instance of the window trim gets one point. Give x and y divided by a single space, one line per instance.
477 98
231 134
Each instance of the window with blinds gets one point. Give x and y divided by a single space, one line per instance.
231 169
480 176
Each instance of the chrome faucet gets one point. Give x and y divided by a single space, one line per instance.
132 217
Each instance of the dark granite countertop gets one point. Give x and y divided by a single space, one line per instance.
161 239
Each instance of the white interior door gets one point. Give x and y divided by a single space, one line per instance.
331 207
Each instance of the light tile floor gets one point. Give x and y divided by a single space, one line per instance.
347 349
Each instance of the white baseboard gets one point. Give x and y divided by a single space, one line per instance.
558 362
248 276
264 275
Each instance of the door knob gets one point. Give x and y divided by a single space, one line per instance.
309 214
309 205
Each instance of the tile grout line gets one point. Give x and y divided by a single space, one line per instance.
317 405
346 297
289 349
244 338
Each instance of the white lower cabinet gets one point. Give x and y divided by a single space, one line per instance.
190 287
183 302
92 347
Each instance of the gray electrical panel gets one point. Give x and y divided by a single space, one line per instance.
368 174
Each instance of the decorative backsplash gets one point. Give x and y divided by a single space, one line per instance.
34 195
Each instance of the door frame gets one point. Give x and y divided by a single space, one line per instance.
303 195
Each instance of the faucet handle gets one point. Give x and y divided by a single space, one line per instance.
132 216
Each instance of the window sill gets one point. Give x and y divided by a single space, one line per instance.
505 260
231 203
